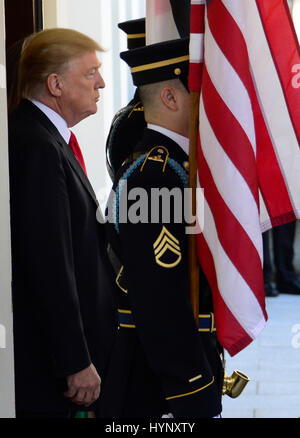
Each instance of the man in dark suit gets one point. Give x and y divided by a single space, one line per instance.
162 362
286 280
62 306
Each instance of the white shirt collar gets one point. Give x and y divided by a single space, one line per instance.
56 119
182 141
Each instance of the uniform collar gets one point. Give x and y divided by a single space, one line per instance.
182 141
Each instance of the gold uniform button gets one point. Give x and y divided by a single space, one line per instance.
177 71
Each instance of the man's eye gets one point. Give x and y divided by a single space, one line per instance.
91 73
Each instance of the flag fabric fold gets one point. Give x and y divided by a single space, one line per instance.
160 22
242 55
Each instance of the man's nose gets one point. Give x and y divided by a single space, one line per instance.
100 83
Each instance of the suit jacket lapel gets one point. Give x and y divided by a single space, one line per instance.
37 113
78 169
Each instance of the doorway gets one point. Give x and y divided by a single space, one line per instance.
22 19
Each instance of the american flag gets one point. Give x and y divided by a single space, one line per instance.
243 55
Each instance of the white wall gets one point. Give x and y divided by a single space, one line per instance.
7 408
98 19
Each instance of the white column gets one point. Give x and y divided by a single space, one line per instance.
7 402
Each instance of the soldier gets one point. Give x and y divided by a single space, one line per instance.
128 123
162 363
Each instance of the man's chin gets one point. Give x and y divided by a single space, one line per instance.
94 110
90 112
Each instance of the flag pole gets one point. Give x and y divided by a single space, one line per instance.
193 167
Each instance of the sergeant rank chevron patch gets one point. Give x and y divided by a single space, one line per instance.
167 249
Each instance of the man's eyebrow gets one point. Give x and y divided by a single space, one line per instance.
93 69
96 66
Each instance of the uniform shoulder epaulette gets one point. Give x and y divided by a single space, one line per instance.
159 154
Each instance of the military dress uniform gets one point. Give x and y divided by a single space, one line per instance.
161 362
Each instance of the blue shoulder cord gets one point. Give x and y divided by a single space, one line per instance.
178 169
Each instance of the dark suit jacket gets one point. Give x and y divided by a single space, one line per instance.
62 307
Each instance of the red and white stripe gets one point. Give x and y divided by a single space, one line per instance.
249 156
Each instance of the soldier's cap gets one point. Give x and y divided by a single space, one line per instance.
136 32
159 62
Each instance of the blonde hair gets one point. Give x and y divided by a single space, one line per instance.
49 51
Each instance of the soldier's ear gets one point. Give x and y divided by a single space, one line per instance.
169 98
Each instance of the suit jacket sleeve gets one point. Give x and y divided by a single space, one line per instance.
45 226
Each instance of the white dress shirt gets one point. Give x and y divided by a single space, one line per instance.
56 119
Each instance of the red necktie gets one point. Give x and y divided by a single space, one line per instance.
73 143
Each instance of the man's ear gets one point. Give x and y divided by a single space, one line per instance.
54 84
169 98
